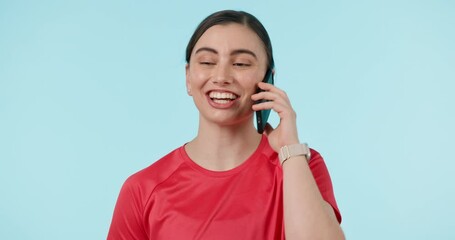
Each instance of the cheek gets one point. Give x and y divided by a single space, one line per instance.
197 75
250 81
195 80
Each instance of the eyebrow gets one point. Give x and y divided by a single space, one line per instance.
235 52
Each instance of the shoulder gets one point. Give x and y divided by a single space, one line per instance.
144 181
316 159
323 180
315 155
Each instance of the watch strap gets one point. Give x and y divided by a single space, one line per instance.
299 149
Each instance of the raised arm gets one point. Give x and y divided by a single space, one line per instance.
306 214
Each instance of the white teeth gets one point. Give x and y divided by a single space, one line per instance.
222 95
221 101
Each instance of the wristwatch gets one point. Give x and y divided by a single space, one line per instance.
293 150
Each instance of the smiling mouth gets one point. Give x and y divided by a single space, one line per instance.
222 97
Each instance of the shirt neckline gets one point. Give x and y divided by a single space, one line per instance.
255 155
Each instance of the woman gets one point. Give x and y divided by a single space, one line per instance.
229 182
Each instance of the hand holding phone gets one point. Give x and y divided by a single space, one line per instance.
263 115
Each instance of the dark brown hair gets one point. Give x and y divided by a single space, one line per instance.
231 16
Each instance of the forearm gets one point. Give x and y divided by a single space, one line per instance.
305 212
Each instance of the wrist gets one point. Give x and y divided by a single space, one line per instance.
293 150
291 141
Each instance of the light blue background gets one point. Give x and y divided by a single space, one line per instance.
93 91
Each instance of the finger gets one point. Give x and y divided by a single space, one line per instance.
273 101
282 110
270 96
264 95
271 88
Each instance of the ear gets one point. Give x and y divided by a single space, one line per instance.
187 76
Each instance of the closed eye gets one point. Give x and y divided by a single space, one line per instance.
207 63
242 64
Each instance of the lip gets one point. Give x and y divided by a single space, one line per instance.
221 105
222 91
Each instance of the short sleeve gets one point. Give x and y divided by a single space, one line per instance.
322 177
127 218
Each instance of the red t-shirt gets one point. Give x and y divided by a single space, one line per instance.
175 199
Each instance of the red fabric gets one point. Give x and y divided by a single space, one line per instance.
175 198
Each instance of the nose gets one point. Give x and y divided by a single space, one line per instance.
222 75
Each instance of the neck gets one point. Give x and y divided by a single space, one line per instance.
222 148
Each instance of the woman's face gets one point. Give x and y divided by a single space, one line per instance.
225 66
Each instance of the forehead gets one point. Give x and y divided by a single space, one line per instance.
230 37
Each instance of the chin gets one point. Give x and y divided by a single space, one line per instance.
232 121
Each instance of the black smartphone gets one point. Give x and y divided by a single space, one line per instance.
263 115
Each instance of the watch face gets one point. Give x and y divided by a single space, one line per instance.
308 152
